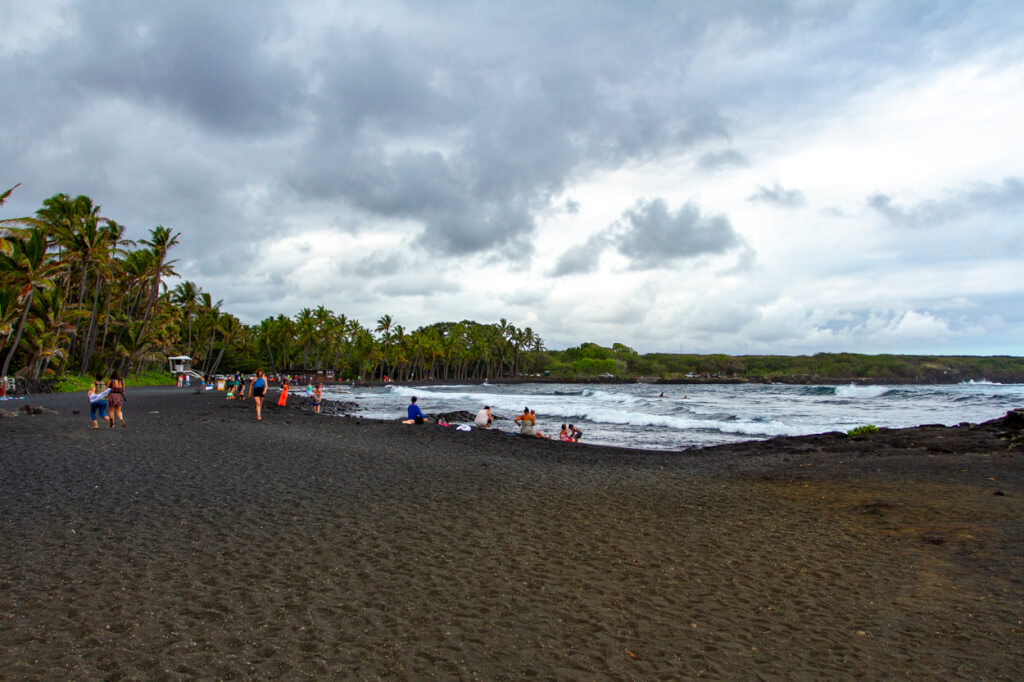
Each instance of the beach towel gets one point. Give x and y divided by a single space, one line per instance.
96 397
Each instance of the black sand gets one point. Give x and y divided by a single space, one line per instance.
198 543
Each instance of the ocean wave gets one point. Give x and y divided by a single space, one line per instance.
422 392
607 396
817 390
758 426
861 392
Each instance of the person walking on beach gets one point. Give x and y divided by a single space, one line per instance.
415 413
256 390
98 402
283 400
116 397
484 417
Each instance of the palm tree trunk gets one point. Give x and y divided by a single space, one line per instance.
17 334
213 370
270 353
90 336
74 330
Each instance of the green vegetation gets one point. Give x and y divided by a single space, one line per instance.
77 296
860 430
71 383
821 367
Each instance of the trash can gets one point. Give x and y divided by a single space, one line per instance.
220 384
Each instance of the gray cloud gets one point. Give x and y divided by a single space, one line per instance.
405 131
777 194
208 61
414 286
375 110
583 258
376 265
460 127
1006 197
651 235
723 160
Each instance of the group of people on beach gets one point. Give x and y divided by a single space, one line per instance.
107 394
260 383
484 418
258 391
528 427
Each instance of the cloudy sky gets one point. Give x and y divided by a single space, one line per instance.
738 177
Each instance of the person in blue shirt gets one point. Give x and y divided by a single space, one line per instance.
257 389
415 413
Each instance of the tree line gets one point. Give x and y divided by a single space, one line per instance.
623 361
78 296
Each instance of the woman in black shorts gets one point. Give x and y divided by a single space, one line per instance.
256 390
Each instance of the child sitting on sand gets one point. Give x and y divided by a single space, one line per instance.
318 394
563 435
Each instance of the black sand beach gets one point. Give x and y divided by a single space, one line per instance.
198 543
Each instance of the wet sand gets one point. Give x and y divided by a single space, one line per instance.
197 542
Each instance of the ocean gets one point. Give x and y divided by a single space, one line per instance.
677 416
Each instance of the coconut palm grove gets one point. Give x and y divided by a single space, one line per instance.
78 297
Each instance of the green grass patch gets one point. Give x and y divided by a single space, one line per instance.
867 428
72 383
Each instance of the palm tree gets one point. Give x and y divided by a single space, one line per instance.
8 308
76 225
506 331
384 328
209 315
325 324
48 332
230 329
160 242
397 357
29 267
185 296
306 333
5 246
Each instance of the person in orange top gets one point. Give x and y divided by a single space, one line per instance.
283 400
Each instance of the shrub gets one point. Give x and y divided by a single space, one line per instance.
867 428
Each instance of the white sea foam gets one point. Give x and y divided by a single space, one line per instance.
861 392
634 415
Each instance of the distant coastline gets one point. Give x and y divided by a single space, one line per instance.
802 380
